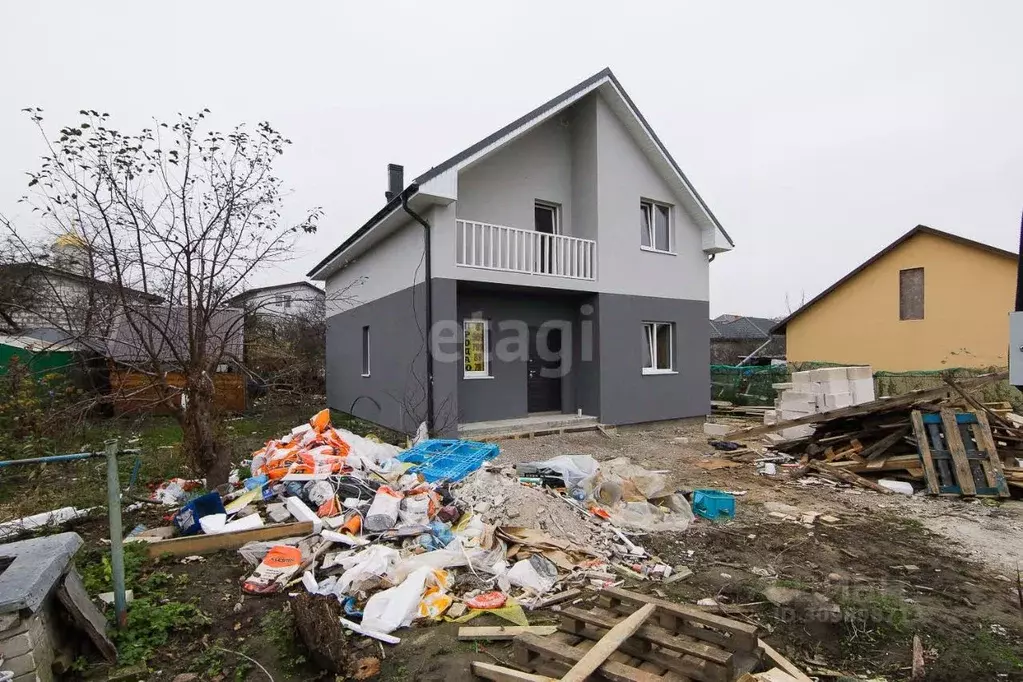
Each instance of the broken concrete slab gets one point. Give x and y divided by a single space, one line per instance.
38 564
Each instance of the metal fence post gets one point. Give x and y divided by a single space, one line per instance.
116 533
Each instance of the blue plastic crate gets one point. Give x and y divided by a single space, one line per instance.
187 519
449 460
714 504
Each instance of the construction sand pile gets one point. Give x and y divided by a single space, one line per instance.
503 501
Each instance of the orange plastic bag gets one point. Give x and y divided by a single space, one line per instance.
320 421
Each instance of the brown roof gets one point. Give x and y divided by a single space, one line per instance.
919 229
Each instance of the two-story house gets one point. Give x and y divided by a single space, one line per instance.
560 265
294 299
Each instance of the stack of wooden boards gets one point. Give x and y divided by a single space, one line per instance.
629 637
942 436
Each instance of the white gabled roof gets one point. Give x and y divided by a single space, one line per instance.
441 180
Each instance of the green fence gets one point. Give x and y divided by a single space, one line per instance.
753 385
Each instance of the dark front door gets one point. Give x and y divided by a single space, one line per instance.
543 379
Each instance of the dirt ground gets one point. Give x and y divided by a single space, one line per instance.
853 592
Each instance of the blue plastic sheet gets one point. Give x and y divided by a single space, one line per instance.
448 460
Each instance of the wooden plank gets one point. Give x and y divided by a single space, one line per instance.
556 599
559 651
983 433
954 442
924 446
873 452
655 635
880 405
641 655
503 632
204 544
737 636
783 663
847 477
594 658
87 617
498 673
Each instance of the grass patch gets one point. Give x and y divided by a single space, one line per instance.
278 627
981 652
154 615
874 616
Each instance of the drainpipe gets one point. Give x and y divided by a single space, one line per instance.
412 189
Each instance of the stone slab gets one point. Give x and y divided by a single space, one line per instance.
38 566
87 617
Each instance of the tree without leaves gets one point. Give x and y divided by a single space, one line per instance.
167 224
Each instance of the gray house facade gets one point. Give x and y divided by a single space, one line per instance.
561 265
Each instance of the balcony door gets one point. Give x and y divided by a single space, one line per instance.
545 221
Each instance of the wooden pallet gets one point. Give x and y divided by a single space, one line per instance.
674 644
959 454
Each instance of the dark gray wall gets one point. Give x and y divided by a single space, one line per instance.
627 395
504 396
394 395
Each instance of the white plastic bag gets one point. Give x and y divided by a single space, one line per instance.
536 573
574 469
373 562
214 524
391 609
671 513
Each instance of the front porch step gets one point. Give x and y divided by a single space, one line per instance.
534 425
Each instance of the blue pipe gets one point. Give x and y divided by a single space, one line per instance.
55 458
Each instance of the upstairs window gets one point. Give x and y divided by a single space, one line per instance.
911 294
655 226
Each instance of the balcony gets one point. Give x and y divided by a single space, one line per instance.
510 249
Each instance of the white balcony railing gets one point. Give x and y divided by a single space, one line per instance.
509 249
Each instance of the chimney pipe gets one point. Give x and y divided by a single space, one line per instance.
395 180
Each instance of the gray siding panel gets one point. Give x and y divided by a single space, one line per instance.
394 394
503 187
627 395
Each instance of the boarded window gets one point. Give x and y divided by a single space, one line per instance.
911 294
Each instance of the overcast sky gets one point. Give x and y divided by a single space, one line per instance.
816 134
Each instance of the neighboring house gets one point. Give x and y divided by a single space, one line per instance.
929 300
567 260
733 338
293 299
37 296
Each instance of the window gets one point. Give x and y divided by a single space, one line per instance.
658 347
655 226
545 218
365 351
476 348
911 294
287 300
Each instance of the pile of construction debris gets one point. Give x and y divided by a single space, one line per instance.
437 531
943 439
